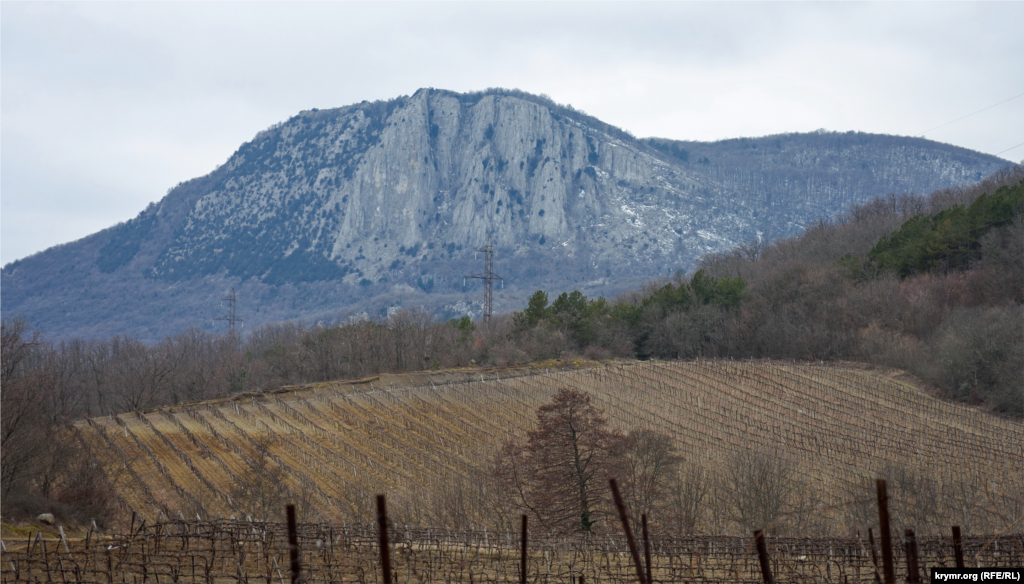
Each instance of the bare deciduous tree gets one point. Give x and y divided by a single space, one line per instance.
651 464
560 475
262 490
914 498
687 494
756 487
141 376
24 419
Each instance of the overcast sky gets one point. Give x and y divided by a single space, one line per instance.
106 106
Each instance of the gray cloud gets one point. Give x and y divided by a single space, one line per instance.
106 106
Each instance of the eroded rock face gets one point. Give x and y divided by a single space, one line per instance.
379 205
374 191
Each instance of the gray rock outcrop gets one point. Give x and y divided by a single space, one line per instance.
380 205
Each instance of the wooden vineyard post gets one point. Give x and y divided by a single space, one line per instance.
958 547
382 531
647 548
913 574
293 545
889 573
641 578
762 557
522 554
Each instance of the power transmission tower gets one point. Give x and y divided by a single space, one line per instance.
231 318
488 277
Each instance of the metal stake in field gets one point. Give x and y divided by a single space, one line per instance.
488 277
293 545
647 548
385 548
522 555
641 577
762 557
888 570
913 575
958 547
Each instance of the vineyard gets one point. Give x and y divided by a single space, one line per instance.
205 483
427 444
244 551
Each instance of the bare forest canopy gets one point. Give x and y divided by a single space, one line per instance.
931 285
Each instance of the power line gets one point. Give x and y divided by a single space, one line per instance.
1010 148
969 115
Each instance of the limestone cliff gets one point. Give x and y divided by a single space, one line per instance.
380 205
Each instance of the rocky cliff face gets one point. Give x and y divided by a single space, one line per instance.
373 191
381 204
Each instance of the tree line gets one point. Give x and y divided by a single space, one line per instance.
46 385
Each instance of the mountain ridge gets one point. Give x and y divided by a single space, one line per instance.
374 206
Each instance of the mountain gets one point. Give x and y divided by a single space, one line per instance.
375 206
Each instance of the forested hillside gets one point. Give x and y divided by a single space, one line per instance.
932 285
940 297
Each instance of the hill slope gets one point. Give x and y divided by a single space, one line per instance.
427 443
377 205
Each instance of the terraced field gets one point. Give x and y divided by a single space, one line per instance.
430 438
